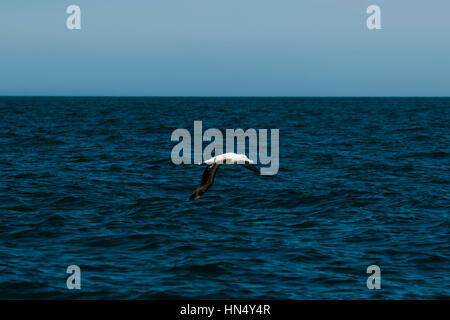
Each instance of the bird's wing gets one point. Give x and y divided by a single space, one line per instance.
207 180
251 167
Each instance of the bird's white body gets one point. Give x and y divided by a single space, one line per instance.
229 158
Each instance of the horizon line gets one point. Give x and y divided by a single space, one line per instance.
207 96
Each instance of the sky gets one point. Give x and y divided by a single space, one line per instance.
225 48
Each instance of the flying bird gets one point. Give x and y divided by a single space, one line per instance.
209 174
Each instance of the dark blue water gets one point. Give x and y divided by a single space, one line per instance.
89 181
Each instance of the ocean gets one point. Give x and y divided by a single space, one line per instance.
89 182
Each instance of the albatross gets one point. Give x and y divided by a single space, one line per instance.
213 164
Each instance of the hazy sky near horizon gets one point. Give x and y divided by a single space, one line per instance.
225 48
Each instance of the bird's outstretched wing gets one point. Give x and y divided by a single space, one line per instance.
207 180
251 167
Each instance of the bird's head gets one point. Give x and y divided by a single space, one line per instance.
243 159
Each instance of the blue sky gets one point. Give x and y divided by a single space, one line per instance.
225 48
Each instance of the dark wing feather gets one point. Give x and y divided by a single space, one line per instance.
251 167
207 180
